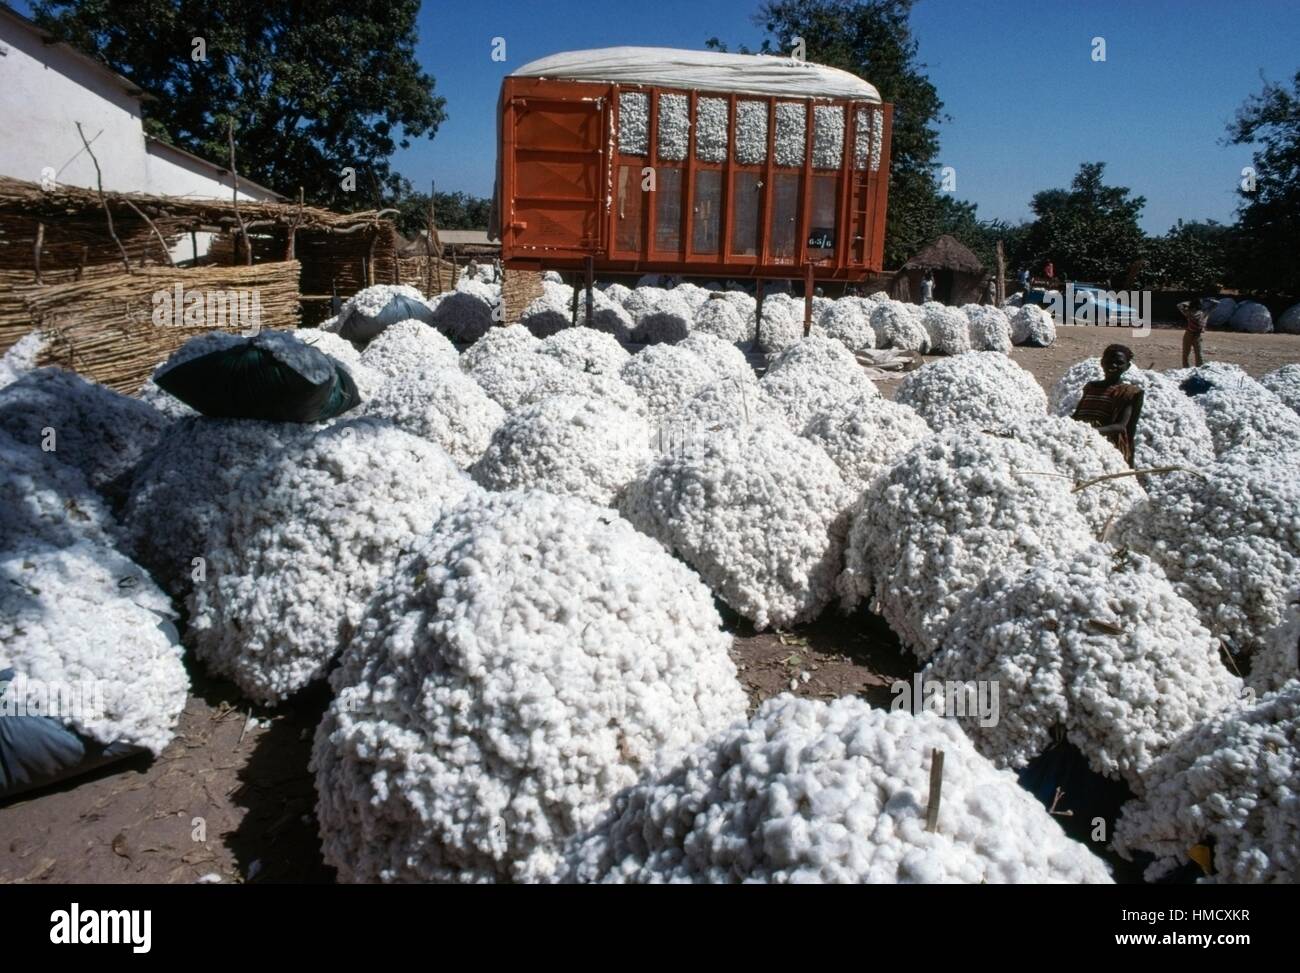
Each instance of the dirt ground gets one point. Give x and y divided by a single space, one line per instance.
232 798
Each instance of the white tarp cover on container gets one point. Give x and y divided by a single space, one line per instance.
668 67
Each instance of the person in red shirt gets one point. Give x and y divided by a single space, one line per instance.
1195 331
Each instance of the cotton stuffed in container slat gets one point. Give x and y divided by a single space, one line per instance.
633 122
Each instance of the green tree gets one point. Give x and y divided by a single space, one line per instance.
873 39
1191 256
452 211
1089 231
312 87
1268 220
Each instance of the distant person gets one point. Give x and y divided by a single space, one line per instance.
927 287
1024 280
1049 271
991 292
1111 405
1194 314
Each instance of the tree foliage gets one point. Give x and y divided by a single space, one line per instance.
1191 256
312 87
451 211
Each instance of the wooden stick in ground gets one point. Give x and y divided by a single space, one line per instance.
167 254
1001 292
1153 470
234 178
293 229
36 250
936 790
108 214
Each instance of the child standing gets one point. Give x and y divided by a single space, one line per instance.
1195 316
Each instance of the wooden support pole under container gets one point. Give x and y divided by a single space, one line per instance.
589 272
758 308
807 298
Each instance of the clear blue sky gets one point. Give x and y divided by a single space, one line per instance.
1027 103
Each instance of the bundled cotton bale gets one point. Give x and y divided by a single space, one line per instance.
442 405
586 350
1238 410
467 314
848 321
1171 430
1285 384
1220 312
947 327
550 313
865 435
498 341
502 690
725 359
724 319
898 325
1031 325
1229 539
84 616
1096 644
101 433
667 320
47 503
308 540
980 389
665 376
409 345
1252 318
758 512
1278 660
1288 322
187 483
1232 784
566 444
782 323
174 408
936 523
990 328
814 792
370 310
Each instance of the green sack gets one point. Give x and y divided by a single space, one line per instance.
271 376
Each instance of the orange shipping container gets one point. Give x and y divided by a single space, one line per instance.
694 163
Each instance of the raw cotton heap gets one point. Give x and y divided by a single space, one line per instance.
468 312
1229 540
1171 430
1031 325
982 389
665 376
508 377
782 323
1095 643
101 433
724 359
1233 783
616 292
21 357
569 445
1279 659
550 313
369 301
667 319
757 511
1251 317
306 544
724 319
942 517
498 341
848 321
813 376
643 298
607 315
533 659
330 343
1239 411
186 483
990 328
1285 384
865 435
814 792
715 408
947 327
442 405
586 350
47 503
84 615
898 325
408 345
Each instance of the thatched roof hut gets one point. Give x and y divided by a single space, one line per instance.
959 277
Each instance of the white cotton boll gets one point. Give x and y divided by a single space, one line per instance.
509 377
751 132
47 503
1285 384
21 357
791 133
1171 430
1031 325
757 511
407 346
1278 660
724 319
569 445
714 408
668 320
815 792
898 325
990 328
1238 410
866 435
933 526
665 376
1251 318
633 122
948 328
187 483
101 433
442 405
498 341
813 376
1232 782
711 120
1229 539
1081 454
980 389
465 315
723 358
309 538
534 658
828 136
86 615
674 126
1095 642
586 350
848 321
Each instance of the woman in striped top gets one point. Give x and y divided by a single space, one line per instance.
1112 406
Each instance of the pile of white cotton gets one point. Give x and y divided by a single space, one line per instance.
586 350
865 435
408 345
442 405
666 375
947 328
1031 325
982 389
990 328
